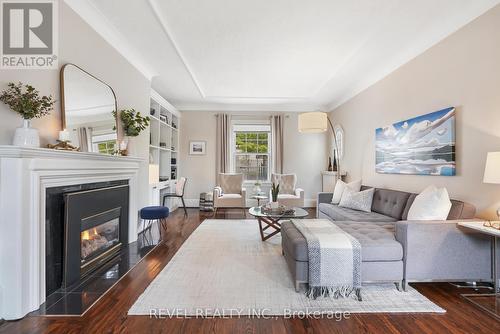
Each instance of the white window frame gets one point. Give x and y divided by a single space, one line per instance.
251 126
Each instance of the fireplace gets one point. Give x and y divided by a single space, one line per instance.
96 224
99 238
86 226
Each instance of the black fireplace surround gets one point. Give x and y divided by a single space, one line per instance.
85 227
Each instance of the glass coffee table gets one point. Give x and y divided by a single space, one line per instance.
271 220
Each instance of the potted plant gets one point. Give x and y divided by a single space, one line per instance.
275 189
133 124
27 102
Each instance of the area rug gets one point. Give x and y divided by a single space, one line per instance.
224 269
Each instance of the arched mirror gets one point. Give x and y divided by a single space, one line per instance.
87 106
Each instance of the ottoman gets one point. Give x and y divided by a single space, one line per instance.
381 253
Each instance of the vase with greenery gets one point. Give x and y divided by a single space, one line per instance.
275 189
133 124
27 102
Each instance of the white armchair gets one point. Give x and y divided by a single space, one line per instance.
230 192
289 195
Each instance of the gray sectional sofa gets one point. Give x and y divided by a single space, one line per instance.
395 249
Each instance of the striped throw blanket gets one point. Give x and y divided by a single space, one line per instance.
334 259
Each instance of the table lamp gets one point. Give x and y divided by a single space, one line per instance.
492 171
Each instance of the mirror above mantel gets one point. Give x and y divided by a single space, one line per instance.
87 106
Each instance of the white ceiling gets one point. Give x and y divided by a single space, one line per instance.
290 55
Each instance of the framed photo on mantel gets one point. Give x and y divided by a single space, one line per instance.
198 147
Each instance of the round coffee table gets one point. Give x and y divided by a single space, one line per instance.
271 220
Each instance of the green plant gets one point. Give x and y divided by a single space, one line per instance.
26 101
275 189
133 122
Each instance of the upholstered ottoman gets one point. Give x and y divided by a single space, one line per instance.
382 255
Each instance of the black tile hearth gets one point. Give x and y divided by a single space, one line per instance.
79 297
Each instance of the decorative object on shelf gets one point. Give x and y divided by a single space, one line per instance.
162 144
27 102
63 145
330 167
197 147
173 161
152 111
492 171
423 145
316 122
163 118
133 124
275 189
334 167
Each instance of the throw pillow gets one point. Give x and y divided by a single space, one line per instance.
431 204
357 200
287 183
340 186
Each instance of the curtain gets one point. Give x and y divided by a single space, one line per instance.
277 144
84 135
223 140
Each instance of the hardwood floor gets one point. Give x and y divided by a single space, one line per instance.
109 314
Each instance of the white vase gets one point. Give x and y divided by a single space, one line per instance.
274 205
26 136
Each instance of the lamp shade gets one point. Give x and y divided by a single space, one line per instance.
154 174
313 122
492 169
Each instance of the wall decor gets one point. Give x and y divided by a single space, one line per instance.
197 147
424 145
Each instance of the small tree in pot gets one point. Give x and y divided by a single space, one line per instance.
27 102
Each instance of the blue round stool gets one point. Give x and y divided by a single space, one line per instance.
152 213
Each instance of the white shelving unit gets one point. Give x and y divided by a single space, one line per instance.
164 145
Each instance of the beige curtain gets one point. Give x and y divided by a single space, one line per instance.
277 143
223 148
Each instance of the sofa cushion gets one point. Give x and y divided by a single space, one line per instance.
360 200
459 209
390 202
337 213
377 241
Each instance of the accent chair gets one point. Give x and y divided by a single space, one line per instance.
230 192
289 195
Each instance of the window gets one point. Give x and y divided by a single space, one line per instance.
251 151
104 143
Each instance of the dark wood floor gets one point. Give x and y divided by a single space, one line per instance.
109 314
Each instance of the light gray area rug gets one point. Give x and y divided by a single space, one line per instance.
224 268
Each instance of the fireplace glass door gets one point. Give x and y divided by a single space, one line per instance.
96 240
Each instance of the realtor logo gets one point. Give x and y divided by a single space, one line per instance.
29 34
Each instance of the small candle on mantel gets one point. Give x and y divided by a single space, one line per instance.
64 135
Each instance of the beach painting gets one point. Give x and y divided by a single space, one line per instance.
423 145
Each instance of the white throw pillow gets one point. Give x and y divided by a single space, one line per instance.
431 204
357 200
340 186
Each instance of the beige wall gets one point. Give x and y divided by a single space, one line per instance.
462 71
81 45
305 154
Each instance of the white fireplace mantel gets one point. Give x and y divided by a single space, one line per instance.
25 174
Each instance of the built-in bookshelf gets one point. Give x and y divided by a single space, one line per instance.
164 146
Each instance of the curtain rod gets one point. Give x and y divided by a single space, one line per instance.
256 115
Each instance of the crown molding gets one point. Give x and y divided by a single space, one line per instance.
261 107
98 21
